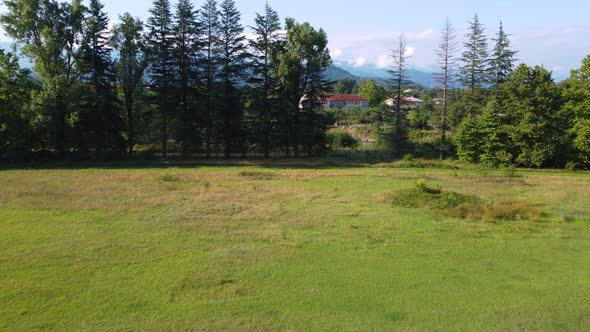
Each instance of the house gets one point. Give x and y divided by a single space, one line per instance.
407 103
345 102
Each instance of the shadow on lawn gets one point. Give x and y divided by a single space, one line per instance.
282 163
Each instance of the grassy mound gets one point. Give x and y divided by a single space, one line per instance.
463 206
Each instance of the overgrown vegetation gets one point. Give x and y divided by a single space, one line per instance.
464 206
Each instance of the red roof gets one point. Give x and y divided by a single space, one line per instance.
343 98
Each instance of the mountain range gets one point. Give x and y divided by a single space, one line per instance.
341 70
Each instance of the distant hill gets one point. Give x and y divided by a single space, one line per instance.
370 71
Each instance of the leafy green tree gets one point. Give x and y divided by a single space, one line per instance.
161 50
502 58
469 140
100 123
208 17
532 105
496 146
374 93
49 33
18 132
301 71
265 81
345 86
577 106
187 52
233 64
128 41
473 72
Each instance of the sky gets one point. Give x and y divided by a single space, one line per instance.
554 34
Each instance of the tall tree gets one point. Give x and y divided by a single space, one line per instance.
17 127
399 79
446 59
100 120
209 19
160 42
50 33
265 81
473 71
577 96
232 66
301 71
187 33
502 58
128 41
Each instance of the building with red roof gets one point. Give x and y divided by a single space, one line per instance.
345 102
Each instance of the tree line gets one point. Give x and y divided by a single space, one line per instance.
192 81
488 109
187 81
514 115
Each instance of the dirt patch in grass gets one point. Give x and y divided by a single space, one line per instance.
459 205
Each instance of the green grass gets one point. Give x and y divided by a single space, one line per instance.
288 248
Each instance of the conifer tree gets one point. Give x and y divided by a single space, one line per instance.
265 80
400 78
101 124
502 58
160 43
446 58
232 66
474 68
187 34
209 20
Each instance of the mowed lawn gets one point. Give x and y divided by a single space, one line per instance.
263 248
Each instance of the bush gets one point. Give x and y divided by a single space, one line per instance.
463 206
342 140
257 175
167 178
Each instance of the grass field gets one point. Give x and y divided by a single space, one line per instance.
283 247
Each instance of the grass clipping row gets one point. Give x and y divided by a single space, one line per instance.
463 206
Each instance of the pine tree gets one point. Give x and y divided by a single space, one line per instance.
446 58
265 80
187 33
233 57
502 58
400 78
101 124
209 20
160 42
473 72
129 42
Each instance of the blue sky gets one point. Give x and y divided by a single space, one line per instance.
555 34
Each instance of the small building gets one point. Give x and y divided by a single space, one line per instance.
407 103
344 102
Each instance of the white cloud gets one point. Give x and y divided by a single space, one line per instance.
410 50
375 48
359 62
384 61
557 68
426 34
336 53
